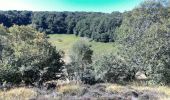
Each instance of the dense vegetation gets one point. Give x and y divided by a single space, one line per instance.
98 26
143 37
26 56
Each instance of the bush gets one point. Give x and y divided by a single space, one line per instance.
27 56
111 68
81 58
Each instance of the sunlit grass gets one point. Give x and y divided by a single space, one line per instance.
18 94
70 89
65 42
115 88
119 88
77 89
161 89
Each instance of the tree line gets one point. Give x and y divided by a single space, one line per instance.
95 25
98 26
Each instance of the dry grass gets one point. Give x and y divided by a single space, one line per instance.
114 88
76 89
159 89
18 94
118 88
165 98
70 89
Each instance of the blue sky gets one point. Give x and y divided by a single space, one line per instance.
70 5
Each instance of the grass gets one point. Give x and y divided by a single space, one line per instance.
23 93
70 89
119 88
18 94
159 89
114 88
65 41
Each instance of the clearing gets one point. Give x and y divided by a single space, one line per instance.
64 42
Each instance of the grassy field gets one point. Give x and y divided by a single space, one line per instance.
65 41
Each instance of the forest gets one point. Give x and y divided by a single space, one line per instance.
98 26
141 36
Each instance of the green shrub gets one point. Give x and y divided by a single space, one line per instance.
81 58
111 68
27 56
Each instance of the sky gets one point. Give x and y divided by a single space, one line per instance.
106 6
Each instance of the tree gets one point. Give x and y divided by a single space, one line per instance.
165 3
29 57
9 18
81 58
99 27
84 24
147 50
144 39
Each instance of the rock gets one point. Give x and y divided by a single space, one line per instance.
140 75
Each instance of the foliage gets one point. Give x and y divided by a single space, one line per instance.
81 58
9 18
81 52
98 26
144 35
111 68
28 57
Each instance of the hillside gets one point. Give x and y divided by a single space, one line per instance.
49 55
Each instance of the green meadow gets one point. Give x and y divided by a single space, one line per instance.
64 42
